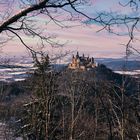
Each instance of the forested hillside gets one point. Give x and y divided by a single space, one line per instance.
96 104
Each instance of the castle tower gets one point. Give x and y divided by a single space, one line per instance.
77 55
73 59
92 60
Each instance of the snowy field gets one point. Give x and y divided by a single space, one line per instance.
134 73
15 74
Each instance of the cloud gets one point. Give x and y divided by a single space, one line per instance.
80 38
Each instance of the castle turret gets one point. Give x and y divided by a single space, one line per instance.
77 55
92 60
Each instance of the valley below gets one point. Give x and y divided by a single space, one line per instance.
19 71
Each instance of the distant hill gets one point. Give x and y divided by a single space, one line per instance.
120 64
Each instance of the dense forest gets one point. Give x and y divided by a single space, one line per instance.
71 105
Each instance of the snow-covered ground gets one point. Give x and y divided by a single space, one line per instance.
19 70
15 74
132 73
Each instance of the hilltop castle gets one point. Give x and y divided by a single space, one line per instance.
82 63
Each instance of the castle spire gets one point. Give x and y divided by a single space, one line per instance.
92 60
77 56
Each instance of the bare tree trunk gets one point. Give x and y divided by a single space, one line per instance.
72 116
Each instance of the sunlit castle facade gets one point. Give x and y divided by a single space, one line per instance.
82 63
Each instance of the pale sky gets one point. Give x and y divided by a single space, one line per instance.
81 37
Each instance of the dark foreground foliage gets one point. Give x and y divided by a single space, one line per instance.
73 105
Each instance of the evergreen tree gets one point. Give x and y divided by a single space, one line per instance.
35 119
